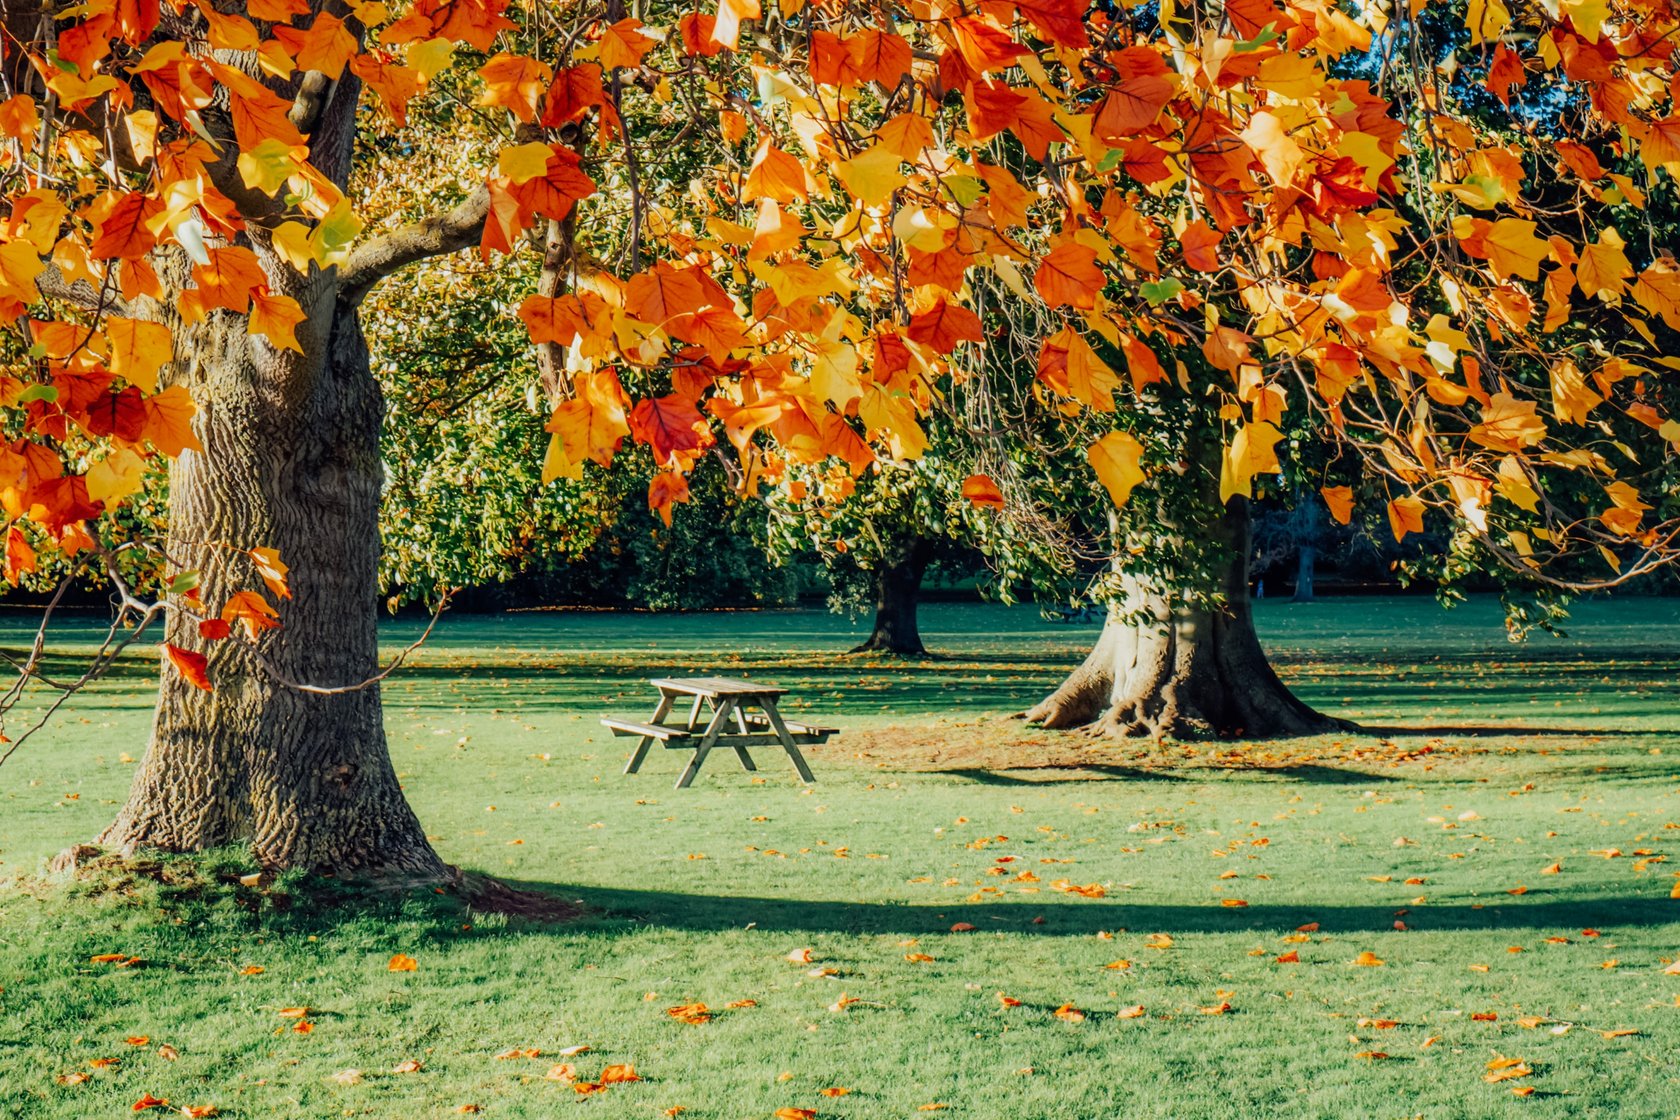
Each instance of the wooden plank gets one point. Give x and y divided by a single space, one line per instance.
757 719
716 687
648 730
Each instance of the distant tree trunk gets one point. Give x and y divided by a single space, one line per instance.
1309 523
1160 669
1306 558
898 589
290 461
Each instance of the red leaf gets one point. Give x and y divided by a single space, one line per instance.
190 665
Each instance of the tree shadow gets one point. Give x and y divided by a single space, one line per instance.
1504 731
634 909
1069 773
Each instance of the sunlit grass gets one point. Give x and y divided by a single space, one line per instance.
1495 763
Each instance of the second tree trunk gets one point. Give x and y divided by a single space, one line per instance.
1163 669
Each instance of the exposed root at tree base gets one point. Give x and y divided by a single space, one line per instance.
100 871
489 895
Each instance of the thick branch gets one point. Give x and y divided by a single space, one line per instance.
431 237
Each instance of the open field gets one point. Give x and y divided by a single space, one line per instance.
1515 808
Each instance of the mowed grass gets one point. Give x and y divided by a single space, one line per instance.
1489 765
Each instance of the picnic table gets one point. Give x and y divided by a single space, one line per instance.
729 700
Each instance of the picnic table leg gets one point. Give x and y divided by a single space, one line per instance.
741 752
775 717
720 720
694 712
636 758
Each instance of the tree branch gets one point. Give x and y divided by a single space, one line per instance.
430 237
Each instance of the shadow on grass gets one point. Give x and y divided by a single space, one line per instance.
1080 919
1028 775
1504 731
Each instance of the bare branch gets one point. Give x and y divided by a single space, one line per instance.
337 690
430 237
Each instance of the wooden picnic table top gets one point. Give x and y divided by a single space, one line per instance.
716 687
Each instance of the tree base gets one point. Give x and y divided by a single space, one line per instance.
894 646
1197 675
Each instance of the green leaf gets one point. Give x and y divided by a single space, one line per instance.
38 393
1158 292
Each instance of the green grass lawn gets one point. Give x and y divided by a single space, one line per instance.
1489 764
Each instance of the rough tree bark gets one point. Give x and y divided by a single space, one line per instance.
291 461
1161 670
898 588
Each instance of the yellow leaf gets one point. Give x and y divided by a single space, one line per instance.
1514 250
1340 501
1252 452
1115 458
872 175
1405 515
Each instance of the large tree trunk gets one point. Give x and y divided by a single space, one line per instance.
1162 669
290 461
898 589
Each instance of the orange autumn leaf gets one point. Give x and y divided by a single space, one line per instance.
1340 501
192 667
621 1074
1368 959
694 1014
981 491
1068 275
401 962
1291 957
1068 1013
796 1113
149 1101
624 45
1008 1001
1133 1012
834 1091
774 175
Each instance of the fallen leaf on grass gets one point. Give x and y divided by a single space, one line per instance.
199 1111
1368 959
413 1065
740 1004
1506 1069
138 1039
1159 941
251 970
149 1101
936 1106
1291 957
72 1078
962 927
1133 1012
800 956
564 1071
517 1052
302 1026
693 1014
796 1114
292 1012
1008 1001
1484 1017
843 1002
918 958
1522 1090
168 1053
1372 1055
103 1063
121 960
620 1074
1068 1013
1529 1022
347 1077
1120 965
1378 1024
1622 1033
1217 1009
835 1091
402 963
